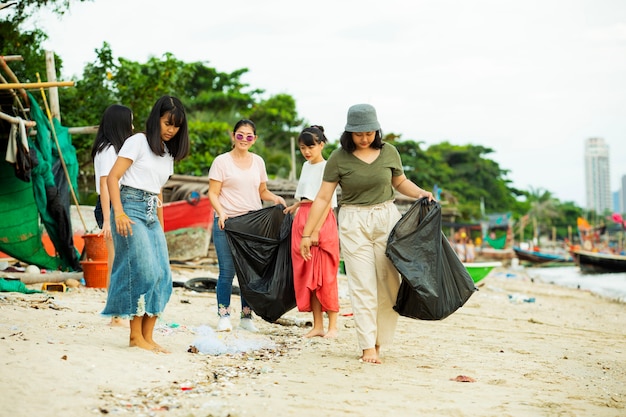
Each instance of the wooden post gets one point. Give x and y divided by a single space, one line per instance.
53 92
292 146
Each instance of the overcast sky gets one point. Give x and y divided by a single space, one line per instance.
529 79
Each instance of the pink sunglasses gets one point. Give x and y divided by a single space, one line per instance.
240 136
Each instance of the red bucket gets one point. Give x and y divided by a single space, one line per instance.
95 273
96 247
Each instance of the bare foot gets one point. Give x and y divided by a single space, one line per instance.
141 344
370 356
331 334
314 333
118 322
158 348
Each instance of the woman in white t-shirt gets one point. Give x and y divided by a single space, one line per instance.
237 185
315 282
141 279
115 127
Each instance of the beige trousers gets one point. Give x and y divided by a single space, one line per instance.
372 279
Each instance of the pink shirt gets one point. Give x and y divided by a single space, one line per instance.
240 187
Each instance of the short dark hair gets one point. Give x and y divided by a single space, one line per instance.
179 145
348 144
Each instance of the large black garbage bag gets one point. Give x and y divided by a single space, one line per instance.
261 245
434 281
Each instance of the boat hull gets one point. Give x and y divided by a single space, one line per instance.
188 227
599 263
479 270
538 257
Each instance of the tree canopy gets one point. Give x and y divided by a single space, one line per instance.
215 100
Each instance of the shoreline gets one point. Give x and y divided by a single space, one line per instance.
562 354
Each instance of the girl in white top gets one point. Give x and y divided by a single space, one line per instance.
115 127
141 279
315 282
237 185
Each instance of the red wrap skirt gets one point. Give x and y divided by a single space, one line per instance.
319 275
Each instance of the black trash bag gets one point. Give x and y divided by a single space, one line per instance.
434 281
261 245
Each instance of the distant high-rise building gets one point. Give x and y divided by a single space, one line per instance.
622 196
597 175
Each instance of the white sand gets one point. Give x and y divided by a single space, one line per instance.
563 355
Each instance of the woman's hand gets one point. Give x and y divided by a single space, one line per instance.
315 238
106 229
305 248
221 221
291 209
123 223
428 194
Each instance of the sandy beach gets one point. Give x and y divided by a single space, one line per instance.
563 354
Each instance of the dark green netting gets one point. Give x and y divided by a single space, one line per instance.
20 232
27 207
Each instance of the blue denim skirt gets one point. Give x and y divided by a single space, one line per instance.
141 279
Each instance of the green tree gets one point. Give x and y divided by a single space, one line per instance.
15 40
277 122
460 170
543 211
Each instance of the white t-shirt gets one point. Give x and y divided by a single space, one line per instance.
240 187
310 182
148 172
102 163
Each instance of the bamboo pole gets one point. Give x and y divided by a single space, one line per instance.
56 141
9 58
15 97
3 5
16 120
34 86
82 130
13 77
53 92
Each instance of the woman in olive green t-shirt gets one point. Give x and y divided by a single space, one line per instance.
368 171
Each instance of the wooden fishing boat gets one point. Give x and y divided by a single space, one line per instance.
188 227
598 262
541 257
479 270
188 213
